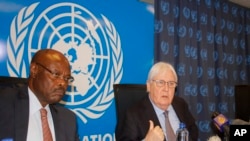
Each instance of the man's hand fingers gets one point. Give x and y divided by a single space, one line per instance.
151 125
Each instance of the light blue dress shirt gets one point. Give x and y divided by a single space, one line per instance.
174 120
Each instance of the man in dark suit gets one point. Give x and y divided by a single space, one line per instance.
20 105
146 120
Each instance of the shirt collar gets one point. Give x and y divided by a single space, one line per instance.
34 104
158 110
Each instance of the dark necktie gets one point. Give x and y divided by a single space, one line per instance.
45 125
170 133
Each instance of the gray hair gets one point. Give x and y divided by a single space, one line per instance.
159 67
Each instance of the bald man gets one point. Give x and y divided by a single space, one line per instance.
20 107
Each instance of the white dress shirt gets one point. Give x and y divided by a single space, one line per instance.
35 132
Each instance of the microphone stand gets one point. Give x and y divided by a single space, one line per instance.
226 136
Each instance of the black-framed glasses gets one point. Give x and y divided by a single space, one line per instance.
57 75
161 83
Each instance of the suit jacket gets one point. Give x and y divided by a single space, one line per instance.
136 122
14 118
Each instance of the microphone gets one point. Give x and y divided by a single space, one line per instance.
214 138
239 122
221 122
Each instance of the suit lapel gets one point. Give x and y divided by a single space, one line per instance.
21 114
57 126
150 112
178 108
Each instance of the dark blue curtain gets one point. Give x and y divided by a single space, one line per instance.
207 41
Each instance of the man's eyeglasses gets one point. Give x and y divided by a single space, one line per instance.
161 83
57 75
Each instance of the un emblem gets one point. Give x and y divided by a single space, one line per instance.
93 48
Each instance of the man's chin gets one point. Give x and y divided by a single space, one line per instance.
56 98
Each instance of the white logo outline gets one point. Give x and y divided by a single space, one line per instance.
17 66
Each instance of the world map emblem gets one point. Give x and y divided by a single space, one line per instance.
92 46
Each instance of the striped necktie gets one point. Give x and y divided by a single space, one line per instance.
45 125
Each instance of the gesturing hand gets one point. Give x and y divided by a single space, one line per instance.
154 133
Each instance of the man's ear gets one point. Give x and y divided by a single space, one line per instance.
148 86
33 70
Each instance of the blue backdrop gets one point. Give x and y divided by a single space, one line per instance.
208 43
106 42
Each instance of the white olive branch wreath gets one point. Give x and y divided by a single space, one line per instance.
15 42
16 65
104 100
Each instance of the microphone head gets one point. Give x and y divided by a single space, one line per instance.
214 138
239 122
220 121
